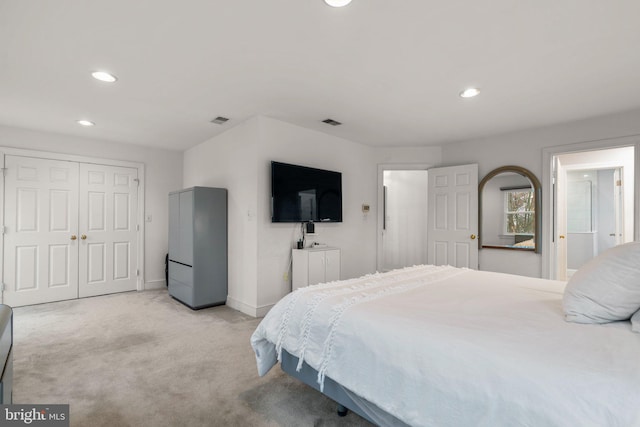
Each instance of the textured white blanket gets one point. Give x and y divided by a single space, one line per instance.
440 346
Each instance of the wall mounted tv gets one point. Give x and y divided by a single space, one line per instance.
303 194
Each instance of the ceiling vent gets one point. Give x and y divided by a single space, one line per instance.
331 122
220 120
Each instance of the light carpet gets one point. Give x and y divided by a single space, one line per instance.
144 359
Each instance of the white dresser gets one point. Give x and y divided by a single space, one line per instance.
314 265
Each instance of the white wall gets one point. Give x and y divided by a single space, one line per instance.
259 251
163 173
230 161
525 148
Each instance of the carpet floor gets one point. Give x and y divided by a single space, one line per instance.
144 359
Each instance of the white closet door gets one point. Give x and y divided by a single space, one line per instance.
41 219
453 216
108 236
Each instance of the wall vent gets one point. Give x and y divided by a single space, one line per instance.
220 120
331 122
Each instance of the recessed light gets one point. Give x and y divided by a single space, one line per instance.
86 123
470 92
103 76
337 3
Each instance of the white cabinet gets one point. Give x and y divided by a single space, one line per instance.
314 265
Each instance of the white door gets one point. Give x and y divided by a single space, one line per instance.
453 216
41 225
560 214
108 235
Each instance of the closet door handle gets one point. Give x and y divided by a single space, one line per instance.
74 237
83 237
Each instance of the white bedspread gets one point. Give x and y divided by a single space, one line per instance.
440 346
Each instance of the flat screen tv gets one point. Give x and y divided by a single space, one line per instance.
303 194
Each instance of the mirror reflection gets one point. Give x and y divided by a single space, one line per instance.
509 209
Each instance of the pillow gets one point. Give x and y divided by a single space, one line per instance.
635 322
605 289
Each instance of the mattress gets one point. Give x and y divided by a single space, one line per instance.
441 346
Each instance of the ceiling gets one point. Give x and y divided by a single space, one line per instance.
390 71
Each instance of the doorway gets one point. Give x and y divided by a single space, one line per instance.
404 229
427 216
401 213
593 210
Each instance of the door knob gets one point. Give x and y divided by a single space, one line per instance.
473 237
562 236
73 237
83 237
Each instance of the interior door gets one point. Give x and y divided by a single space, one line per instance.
41 225
108 235
453 216
618 206
560 215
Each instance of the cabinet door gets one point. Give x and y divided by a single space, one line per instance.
332 265
316 267
185 228
174 226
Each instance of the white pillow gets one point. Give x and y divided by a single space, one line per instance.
605 289
635 322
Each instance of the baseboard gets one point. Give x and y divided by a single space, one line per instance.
155 284
248 309
263 310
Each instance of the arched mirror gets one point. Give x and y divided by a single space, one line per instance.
509 213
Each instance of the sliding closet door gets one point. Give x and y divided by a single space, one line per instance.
41 227
108 235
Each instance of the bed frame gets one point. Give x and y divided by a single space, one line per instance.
345 399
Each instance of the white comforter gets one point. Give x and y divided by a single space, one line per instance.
440 346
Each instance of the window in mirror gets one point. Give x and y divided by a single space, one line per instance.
519 211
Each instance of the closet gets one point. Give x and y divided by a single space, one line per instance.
70 230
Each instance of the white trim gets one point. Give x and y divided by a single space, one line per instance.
390 167
252 311
95 160
548 153
155 284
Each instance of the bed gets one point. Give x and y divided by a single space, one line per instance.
443 346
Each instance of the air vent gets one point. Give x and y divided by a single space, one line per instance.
331 122
220 120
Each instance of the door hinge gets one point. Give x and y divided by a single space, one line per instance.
137 227
137 272
3 230
619 183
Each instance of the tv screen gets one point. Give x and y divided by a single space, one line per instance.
302 194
